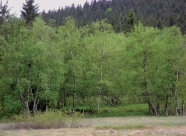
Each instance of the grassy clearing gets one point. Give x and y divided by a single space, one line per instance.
137 121
115 126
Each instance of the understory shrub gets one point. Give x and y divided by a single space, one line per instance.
46 120
49 119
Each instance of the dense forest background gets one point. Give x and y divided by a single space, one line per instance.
92 58
157 13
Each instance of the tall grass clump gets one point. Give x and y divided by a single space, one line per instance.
47 120
75 120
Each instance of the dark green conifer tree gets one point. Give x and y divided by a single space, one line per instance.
4 12
29 12
182 22
131 20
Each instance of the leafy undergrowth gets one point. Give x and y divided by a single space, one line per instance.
57 119
122 110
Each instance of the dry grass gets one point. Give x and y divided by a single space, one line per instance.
126 126
121 127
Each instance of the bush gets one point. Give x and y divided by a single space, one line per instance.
49 119
46 120
75 120
10 107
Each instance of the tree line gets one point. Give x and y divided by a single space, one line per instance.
157 13
67 67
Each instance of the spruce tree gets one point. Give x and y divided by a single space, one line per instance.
131 20
4 12
30 11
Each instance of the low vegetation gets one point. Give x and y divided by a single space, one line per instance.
45 120
114 126
122 110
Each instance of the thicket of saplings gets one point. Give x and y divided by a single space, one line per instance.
85 69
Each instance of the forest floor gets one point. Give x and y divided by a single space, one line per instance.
113 126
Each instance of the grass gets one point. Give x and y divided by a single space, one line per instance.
134 122
114 126
105 111
122 110
46 120
122 127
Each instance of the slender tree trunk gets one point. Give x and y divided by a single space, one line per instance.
176 93
34 106
150 107
2 100
157 109
74 91
99 99
46 103
26 102
183 108
156 112
64 98
27 107
36 102
101 75
177 107
63 95
151 110
72 57
166 106
101 79
28 91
